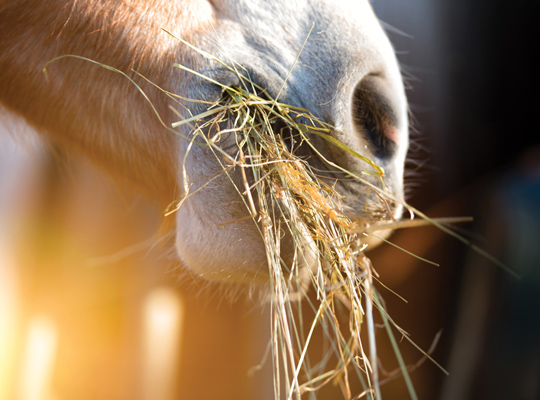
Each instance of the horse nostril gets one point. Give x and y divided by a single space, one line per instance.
374 116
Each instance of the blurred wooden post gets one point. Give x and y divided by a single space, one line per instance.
38 362
162 318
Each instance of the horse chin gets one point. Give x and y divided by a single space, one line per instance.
230 252
234 251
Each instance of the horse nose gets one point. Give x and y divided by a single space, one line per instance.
376 117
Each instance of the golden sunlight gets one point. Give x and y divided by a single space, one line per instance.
38 362
163 314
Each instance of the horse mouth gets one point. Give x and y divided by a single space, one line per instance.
360 200
360 193
292 184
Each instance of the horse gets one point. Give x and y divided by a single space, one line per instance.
331 58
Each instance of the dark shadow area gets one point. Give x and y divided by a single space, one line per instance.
473 76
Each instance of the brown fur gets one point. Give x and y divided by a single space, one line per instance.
86 108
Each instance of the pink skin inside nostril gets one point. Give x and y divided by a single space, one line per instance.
392 133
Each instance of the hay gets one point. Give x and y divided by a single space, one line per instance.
286 198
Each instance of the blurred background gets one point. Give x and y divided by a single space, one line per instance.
473 76
91 308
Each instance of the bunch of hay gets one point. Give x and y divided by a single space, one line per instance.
286 198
